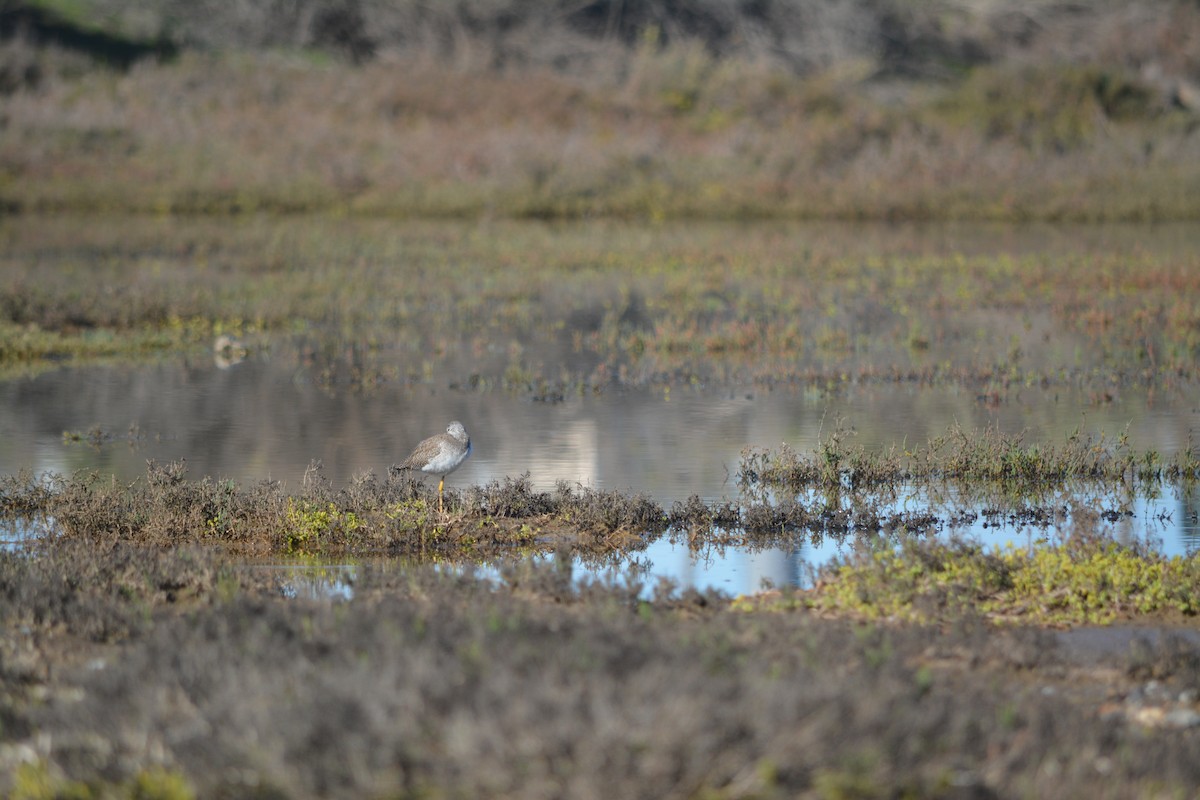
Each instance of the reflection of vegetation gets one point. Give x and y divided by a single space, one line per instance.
1092 581
30 348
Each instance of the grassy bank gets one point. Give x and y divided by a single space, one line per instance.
896 111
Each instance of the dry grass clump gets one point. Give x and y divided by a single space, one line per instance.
512 497
694 513
102 591
609 510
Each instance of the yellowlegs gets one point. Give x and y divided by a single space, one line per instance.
441 454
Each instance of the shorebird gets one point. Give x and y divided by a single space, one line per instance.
228 351
440 455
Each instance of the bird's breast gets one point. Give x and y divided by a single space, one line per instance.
447 459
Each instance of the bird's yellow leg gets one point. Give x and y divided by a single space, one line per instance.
441 483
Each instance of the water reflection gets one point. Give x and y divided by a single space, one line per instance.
309 581
260 420
734 570
16 534
745 569
256 421
1188 520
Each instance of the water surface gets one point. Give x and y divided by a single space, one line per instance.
262 419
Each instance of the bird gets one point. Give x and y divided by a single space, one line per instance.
440 455
228 351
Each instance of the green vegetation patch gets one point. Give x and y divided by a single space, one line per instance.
1052 109
1078 582
307 522
40 781
28 348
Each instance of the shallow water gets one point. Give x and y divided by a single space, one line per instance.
263 419
259 420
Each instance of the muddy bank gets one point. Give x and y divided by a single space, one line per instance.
124 667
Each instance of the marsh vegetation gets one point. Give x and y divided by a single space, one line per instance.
952 681
580 307
434 684
849 109
743 278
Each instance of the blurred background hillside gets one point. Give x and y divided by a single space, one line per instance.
999 109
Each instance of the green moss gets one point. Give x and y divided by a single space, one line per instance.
34 782
856 779
410 515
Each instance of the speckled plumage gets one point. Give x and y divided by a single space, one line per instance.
441 454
